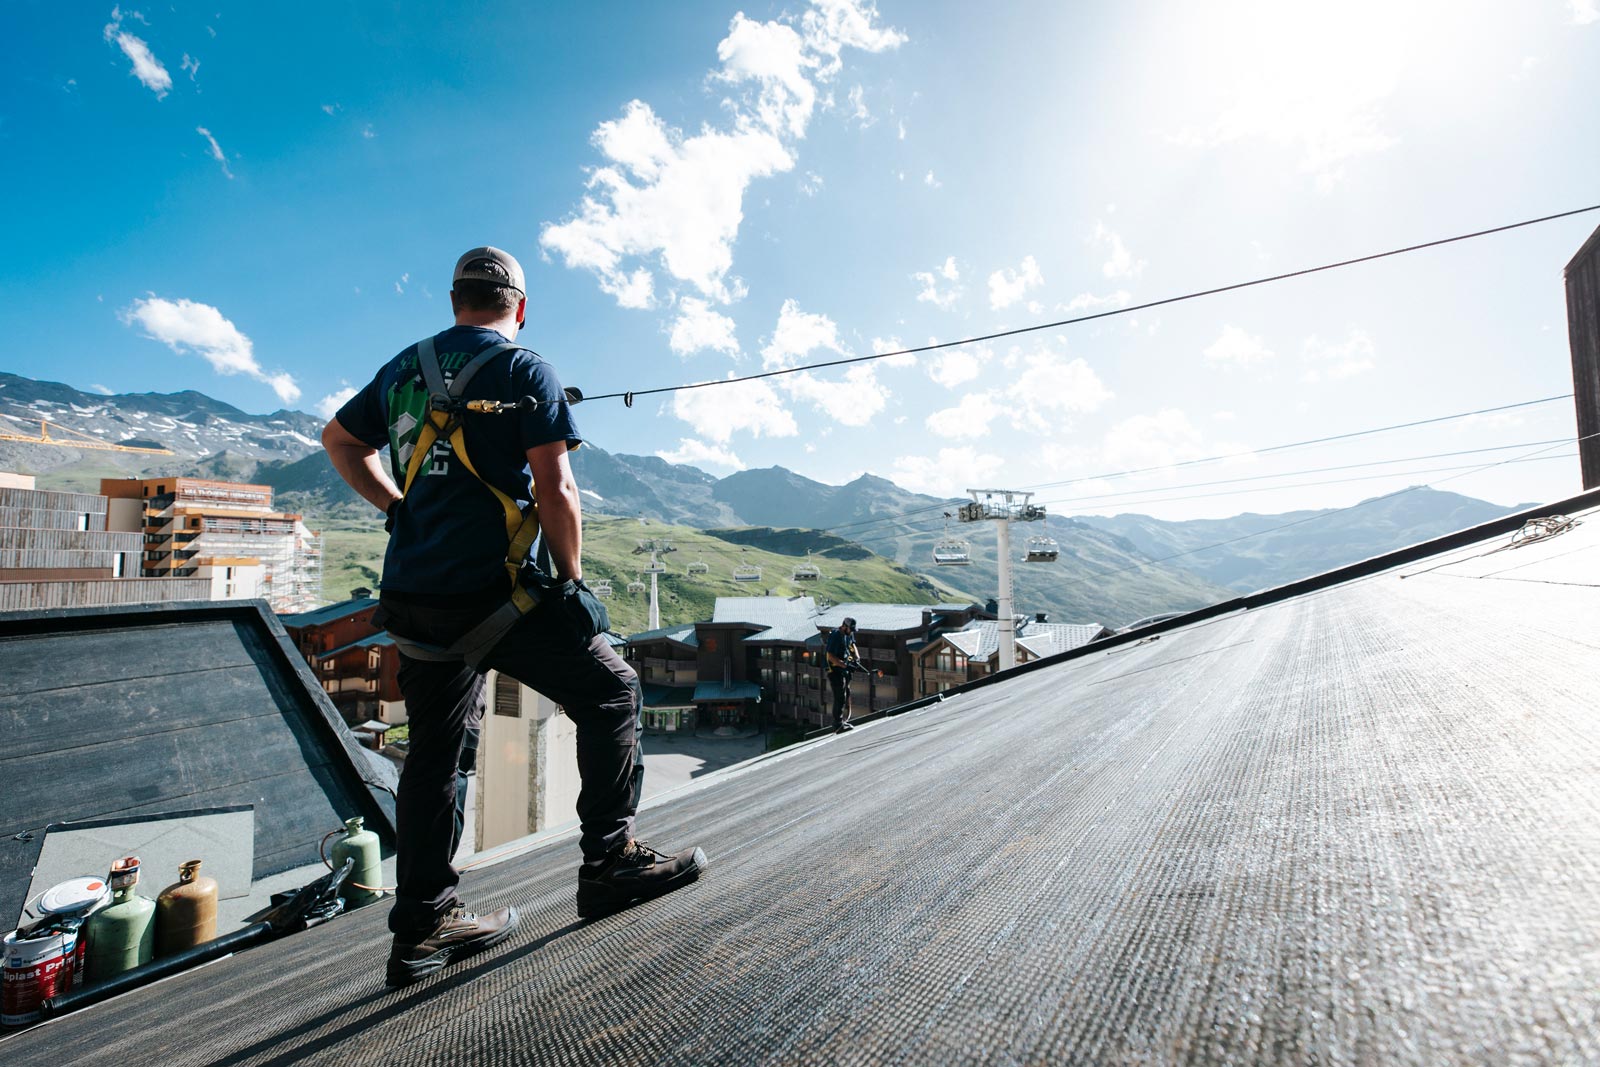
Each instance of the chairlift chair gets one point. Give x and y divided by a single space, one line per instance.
805 572
637 587
1042 550
952 554
747 572
699 566
602 589
655 567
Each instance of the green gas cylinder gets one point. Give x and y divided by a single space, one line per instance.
361 846
122 935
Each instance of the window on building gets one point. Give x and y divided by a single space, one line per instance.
118 563
507 696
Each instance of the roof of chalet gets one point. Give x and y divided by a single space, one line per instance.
981 639
328 613
153 708
1344 821
882 618
727 691
667 696
683 635
377 640
763 611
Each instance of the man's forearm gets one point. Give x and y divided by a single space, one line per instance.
561 524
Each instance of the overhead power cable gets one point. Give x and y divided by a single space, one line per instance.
1219 458
629 395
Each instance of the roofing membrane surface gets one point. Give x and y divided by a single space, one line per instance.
1356 825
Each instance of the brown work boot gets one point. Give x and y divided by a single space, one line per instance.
458 935
633 873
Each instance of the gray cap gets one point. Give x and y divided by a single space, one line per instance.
491 265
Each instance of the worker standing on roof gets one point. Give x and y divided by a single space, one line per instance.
842 660
461 597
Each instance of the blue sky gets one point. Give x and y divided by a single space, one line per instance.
263 202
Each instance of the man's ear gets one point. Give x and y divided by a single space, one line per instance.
522 313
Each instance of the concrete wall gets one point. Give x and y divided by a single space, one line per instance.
527 765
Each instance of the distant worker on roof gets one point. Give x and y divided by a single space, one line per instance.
478 429
842 660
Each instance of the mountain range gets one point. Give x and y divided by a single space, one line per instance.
1110 569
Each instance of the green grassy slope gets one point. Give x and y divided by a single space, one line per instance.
353 556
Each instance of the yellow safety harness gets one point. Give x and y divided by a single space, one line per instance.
445 416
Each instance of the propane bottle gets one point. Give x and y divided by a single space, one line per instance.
361 846
186 911
121 935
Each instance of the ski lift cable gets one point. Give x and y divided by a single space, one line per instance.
1232 455
629 395
902 519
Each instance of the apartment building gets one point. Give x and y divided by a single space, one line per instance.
973 651
224 532
56 551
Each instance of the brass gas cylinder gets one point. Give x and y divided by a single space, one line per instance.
186 911
122 935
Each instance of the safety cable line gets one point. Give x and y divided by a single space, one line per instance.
1231 455
629 395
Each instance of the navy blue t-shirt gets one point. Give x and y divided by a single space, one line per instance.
839 644
450 534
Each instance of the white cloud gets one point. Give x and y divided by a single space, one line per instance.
329 405
368 132
697 453
1091 302
902 129
146 67
949 473
929 280
1235 348
400 286
956 366
636 290
1119 261
676 201
331 108
698 327
811 184
97 387
216 150
1153 440
968 419
1008 287
1584 12
1333 361
720 411
880 345
1051 389
187 326
858 108
931 182
1311 81
851 401
190 66
798 334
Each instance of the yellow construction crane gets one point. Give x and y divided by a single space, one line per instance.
88 442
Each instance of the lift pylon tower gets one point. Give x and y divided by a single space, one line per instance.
1002 507
656 547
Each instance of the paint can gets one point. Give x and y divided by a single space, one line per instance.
36 967
67 905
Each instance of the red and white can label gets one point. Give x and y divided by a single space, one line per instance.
34 969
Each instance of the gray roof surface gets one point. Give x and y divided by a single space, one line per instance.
1336 824
889 618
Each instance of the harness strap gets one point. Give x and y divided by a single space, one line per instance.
443 421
